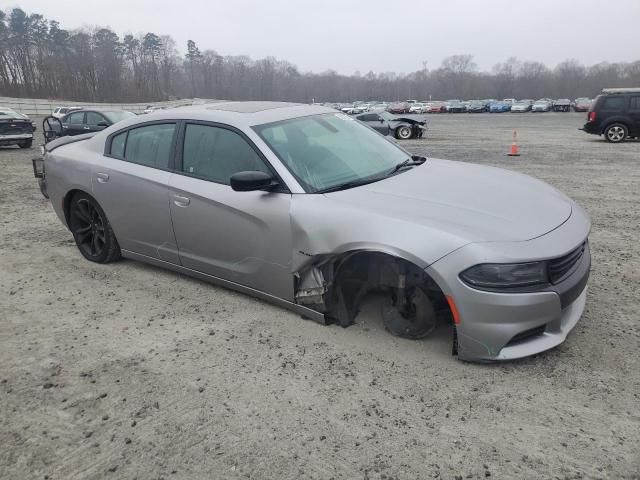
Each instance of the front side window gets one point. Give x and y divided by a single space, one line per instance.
215 154
149 145
328 150
118 115
76 118
634 104
94 118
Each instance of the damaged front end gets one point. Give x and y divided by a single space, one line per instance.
336 285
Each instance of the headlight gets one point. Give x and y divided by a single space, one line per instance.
506 275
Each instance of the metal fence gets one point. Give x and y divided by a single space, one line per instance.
39 106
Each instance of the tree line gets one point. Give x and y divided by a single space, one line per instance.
39 58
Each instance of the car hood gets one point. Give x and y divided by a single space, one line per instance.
472 202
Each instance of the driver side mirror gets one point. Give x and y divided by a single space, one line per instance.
251 181
103 124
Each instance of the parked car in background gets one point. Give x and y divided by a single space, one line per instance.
399 107
379 107
499 107
477 106
60 112
541 106
311 210
15 128
403 128
615 113
94 120
562 105
417 108
520 106
582 104
153 108
509 100
436 107
456 106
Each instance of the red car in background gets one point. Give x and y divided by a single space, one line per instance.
437 108
582 104
399 107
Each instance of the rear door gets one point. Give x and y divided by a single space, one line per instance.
243 237
131 185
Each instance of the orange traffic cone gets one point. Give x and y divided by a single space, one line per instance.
514 146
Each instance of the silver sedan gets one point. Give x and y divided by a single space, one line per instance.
305 207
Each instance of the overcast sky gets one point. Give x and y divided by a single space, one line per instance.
378 35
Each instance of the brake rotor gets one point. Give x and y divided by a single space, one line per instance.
415 319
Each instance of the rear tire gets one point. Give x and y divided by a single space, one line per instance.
616 132
91 230
26 144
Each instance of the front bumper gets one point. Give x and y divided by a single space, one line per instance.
504 326
15 138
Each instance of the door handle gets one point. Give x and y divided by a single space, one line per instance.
102 177
87 128
181 201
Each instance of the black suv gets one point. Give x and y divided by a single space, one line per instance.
615 113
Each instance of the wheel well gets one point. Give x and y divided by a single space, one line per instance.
66 203
337 285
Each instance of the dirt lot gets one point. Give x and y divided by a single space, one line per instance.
128 371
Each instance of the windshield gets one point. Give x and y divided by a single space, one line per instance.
7 112
329 150
118 115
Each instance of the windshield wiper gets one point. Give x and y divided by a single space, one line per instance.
409 162
347 185
415 160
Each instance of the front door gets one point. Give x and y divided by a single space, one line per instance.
376 122
243 237
95 121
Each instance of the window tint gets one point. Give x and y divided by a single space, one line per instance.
117 145
76 118
370 117
94 118
634 103
150 145
613 103
216 153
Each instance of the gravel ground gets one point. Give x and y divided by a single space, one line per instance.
128 371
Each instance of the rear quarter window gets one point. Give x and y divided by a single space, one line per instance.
613 104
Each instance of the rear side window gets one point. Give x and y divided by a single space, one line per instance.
117 145
150 145
216 153
613 104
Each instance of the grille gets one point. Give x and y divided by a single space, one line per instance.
12 127
559 268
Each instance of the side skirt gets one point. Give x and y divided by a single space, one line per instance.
299 309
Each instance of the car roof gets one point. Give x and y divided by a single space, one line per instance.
245 114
